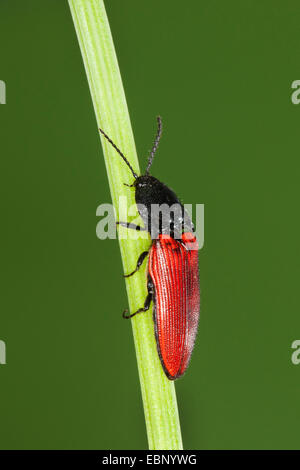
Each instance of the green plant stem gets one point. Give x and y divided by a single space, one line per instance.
112 115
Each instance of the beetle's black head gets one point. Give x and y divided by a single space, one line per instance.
160 208
149 190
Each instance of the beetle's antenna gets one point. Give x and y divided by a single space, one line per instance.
119 152
155 145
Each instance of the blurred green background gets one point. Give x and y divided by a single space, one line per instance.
220 74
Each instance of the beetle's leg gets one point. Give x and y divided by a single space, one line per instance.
140 310
133 226
139 263
147 303
150 285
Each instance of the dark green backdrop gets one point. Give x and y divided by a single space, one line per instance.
220 75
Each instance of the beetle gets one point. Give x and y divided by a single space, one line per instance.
173 273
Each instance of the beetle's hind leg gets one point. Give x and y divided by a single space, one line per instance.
140 310
147 303
139 263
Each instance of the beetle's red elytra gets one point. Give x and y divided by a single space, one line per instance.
173 272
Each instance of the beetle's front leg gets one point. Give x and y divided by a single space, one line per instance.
132 226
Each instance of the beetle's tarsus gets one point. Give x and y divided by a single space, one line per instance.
140 310
138 264
131 226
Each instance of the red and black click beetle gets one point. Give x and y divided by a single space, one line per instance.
173 276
